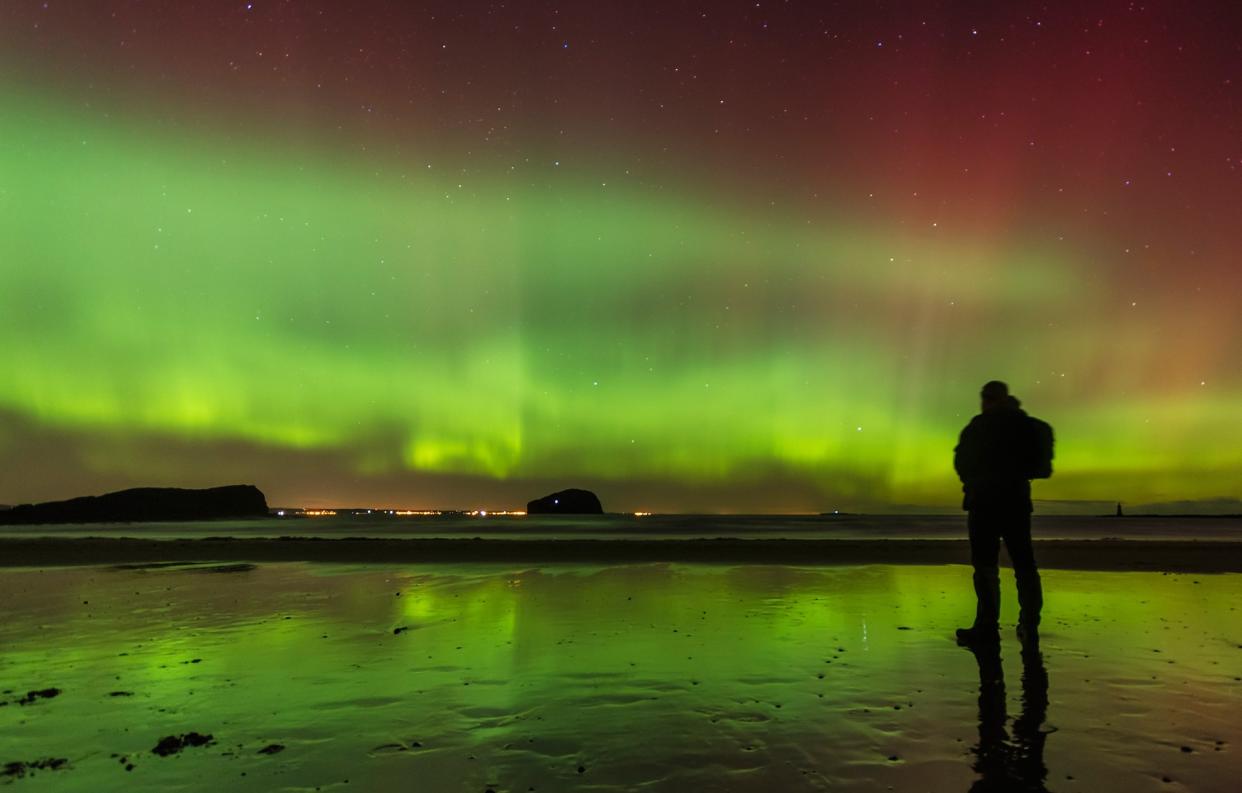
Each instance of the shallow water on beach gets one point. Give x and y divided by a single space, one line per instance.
653 677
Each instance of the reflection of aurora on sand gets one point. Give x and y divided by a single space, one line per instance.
681 677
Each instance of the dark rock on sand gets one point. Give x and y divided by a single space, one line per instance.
241 567
566 502
190 567
146 503
19 769
171 744
43 693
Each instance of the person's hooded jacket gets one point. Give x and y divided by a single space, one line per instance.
991 459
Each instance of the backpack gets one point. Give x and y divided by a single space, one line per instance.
1039 463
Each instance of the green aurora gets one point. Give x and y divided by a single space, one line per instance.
561 327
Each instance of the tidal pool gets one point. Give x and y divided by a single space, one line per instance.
634 677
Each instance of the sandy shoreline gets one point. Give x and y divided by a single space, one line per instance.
1207 556
663 678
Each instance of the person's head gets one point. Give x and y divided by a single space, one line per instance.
993 395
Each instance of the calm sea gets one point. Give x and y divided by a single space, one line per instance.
624 526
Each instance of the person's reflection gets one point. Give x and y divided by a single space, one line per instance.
1004 762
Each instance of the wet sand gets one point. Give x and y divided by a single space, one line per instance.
662 677
1106 555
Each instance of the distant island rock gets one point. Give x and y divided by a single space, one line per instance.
146 503
566 502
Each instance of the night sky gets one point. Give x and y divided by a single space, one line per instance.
695 256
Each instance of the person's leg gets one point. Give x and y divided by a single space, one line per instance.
1029 735
1017 534
984 555
991 752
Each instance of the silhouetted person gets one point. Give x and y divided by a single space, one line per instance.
1013 761
993 458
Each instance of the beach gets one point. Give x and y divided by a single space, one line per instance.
602 670
663 677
